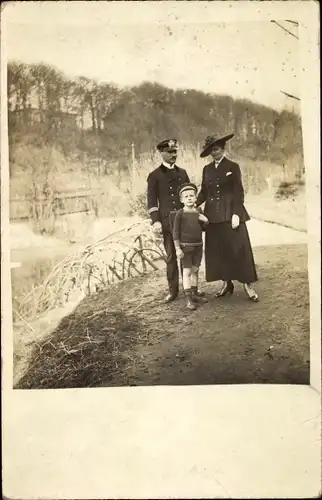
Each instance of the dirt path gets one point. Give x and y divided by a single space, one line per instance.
228 340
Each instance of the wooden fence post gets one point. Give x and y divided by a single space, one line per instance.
133 163
139 239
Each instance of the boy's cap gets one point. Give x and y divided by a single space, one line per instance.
187 187
168 145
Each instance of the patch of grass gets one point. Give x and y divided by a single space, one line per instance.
87 347
288 190
138 206
30 275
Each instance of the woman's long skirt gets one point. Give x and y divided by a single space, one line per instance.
228 253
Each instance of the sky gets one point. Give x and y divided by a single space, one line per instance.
252 60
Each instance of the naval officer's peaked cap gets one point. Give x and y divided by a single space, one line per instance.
168 145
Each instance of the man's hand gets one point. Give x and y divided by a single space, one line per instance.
203 218
235 221
157 228
179 253
178 248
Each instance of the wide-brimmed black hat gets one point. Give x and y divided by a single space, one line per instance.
211 141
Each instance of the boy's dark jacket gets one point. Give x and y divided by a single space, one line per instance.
176 224
222 191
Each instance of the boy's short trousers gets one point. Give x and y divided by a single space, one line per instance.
192 256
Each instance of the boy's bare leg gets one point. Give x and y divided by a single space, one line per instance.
186 280
194 286
194 277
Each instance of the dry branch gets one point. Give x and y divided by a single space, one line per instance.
91 268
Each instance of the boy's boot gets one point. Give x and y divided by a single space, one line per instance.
190 304
195 297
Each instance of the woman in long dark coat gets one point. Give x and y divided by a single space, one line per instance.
228 251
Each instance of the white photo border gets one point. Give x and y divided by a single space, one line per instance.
245 441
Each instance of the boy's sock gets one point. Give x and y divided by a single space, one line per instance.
194 285
190 303
195 296
194 290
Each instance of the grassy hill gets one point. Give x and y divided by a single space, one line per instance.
79 134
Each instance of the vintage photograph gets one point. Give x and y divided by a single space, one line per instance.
157 204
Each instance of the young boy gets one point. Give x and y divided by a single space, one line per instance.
188 225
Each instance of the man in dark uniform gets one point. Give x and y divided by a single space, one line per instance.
162 201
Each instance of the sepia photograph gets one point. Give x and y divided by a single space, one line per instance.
157 205
160 249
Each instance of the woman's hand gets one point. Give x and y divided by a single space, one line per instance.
235 221
203 218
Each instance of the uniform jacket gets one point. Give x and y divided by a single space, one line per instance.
223 192
162 193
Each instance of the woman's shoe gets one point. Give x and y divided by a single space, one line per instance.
227 289
250 292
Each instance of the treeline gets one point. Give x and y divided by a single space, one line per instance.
83 118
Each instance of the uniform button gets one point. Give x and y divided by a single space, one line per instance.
217 198
170 187
217 186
